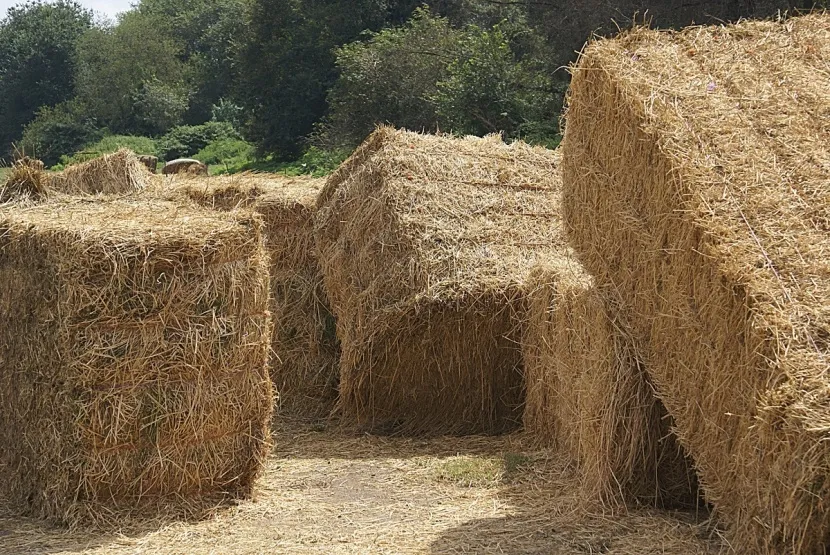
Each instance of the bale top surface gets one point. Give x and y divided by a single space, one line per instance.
476 214
742 112
126 220
244 188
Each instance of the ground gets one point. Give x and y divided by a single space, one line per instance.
326 490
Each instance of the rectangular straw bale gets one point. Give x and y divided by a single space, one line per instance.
304 361
697 183
425 242
589 397
133 349
120 172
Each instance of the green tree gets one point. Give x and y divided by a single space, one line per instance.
130 77
287 64
391 78
57 130
37 60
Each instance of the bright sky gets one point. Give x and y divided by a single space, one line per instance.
106 7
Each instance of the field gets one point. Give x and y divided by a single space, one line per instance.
327 490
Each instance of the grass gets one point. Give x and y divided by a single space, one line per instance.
4 174
108 145
477 471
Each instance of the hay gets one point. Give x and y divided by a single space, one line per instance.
304 362
133 345
26 182
425 242
696 183
121 172
588 396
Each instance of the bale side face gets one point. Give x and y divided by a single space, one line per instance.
589 397
696 185
138 375
305 352
424 243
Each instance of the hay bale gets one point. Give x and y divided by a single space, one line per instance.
186 166
151 162
304 361
696 184
26 182
425 242
589 397
120 172
133 347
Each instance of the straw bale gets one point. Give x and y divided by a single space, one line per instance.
589 397
133 350
696 183
26 182
425 242
120 172
304 361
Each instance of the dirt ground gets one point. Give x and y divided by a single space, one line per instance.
331 491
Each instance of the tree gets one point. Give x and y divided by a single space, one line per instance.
390 78
37 60
130 77
287 64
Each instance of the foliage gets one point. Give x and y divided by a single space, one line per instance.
37 64
108 145
287 64
390 79
125 70
55 131
226 153
187 140
315 162
226 110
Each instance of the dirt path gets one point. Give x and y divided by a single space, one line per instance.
332 492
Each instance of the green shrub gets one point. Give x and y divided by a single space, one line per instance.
226 152
187 140
108 145
56 131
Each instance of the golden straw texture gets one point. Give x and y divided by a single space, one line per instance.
133 347
696 183
120 172
304 344
589 397
425 242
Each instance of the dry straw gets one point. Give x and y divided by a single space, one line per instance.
697 183
25 182
121 172
589 397
133 341
304 345
425 242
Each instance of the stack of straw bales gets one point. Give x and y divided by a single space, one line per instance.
304 362
133 350
425 243
589 397
120 172
697 184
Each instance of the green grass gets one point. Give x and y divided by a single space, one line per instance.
315 162
108 145
4 174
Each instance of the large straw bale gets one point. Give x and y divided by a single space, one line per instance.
120 172
425 242
304 361
133 349
589 397
697 184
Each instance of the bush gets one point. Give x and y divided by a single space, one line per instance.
230 153
56 131
108 145
187 140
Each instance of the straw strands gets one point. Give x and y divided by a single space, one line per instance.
25 182
588 396
696 184
425 242
304 345
133 341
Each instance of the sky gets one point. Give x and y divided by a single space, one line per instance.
106 7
